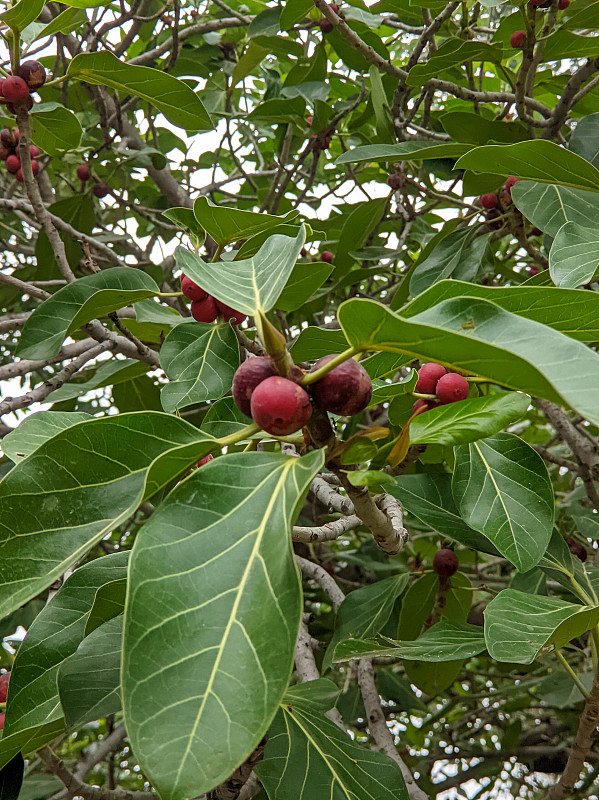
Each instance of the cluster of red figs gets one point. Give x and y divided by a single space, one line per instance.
325 25
99 189
445 563
577 549
495 204
4 681
281 406
448 387
204 307
16 89
9 153
518 38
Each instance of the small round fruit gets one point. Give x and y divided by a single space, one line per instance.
326 256
14 89
6 137
451 388
33 73
205 460
83 172
35 167
191 290
577 550
325 26
34 151
204 310
345 390
280 407
445 563
533 270
13 164
517 40
489 200
249 375
395 181
236 317
101 189
19 175
309 120
563 4
507 186
2 716
428 377
4 681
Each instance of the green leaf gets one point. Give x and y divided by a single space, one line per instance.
575 313
451 53
574 256
200 361
303 282
519 626
217 549
584 140
429 498
410 151
172 97
82 492
33 707
76 304
226 224
477 336
537 160
109 602
383 392
65 22
359 223
549 207
89 680
444 641
467 126
468 420
22 13
55 129
36 429
307 756
108 373
313 343
224 418
365 611
502 489
456 256
251 285
185 218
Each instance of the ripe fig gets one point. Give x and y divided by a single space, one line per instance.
14 89
325 26
6 137
395 181
517 40
83 172
428 377
101 189
451 388
191 290
204 310
205 460
34 151
4 681
345 390
445 563
249 375
489 200
33 73
230 314
280 407
563 4
13 164
326 256
507 188
577 550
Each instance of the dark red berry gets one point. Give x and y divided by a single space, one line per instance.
2 716
395 181
309 120
280 407
6 137
325 26
101 189
517 40
507 187
83 172
489 200
563 4
451 388
34 151
19 175
4 681
205 460
35 167
13 164
445 563
345 390
249 375
326 256
204 310
191 290
33 73
236 317
428 377
577 550
14 89
334 7
533 270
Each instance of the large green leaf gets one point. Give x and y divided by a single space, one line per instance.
428 497
477 336
80 485
453 52
89 680
107 373
303 282
358 223
217 553
78 303
200 361
249 285
538 160
36 429
109 602
502 489
22 13
468 420
444 641
33 703
573 312
307 756
172 97
226 224
364 612
65 22
549 207
313 343
55 129
519 626
574 255
456 256
584 140
411 151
